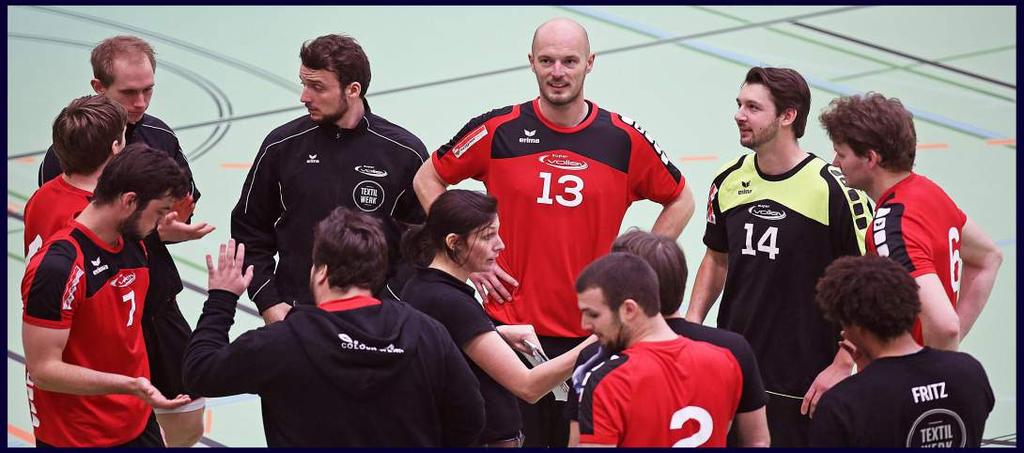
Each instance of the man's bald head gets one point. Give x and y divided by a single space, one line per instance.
564 32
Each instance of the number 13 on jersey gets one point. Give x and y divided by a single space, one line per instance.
569 187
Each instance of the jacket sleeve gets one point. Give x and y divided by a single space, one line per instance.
179 157
50 168
462 408
213 366
252 224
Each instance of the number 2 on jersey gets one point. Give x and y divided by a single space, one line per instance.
570 184
705 426
765 244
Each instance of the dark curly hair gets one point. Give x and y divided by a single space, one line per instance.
873 292
873 122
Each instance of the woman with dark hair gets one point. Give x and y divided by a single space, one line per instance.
459 237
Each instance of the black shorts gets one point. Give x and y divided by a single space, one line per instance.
166 333
786 425
150 437
545 423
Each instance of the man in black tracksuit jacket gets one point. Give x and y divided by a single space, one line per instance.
353 371
339 154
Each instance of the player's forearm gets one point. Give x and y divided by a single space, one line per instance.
752 429
428 185
675 215
975 288
707 286
62 377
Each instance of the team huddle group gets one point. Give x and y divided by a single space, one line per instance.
401 313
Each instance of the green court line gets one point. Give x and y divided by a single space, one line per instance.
16 230
890 66
941 59
17 195
744 65
17 257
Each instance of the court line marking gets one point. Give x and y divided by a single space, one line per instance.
889 66
21 434
527 66
748 61
907 55
199 80
225 59
910 66
930 146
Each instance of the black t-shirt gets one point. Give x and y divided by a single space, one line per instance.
165 281
753 397
930 398
451 302
780 232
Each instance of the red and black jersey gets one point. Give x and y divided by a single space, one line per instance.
677 393
919 226
562 194
49 210
78 282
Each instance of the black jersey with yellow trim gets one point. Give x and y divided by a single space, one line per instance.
780 232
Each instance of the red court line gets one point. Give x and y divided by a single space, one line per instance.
932 145
25 160
208 426
20 434
1002 141
236 165
14 207
693 157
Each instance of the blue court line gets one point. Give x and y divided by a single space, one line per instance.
1006 242
815 82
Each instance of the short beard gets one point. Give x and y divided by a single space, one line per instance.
768 134
129 229
333 118
621 340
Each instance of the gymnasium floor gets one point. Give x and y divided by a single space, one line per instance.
226 76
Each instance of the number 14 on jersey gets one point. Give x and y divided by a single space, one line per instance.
766 244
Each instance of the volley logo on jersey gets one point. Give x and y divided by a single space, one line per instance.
766 212
123 280
370 170
469 141
563 162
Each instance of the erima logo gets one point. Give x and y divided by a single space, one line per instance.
529 134
123 280
348 342
312 159
99 269
562 161
766 212
746 188
369 170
